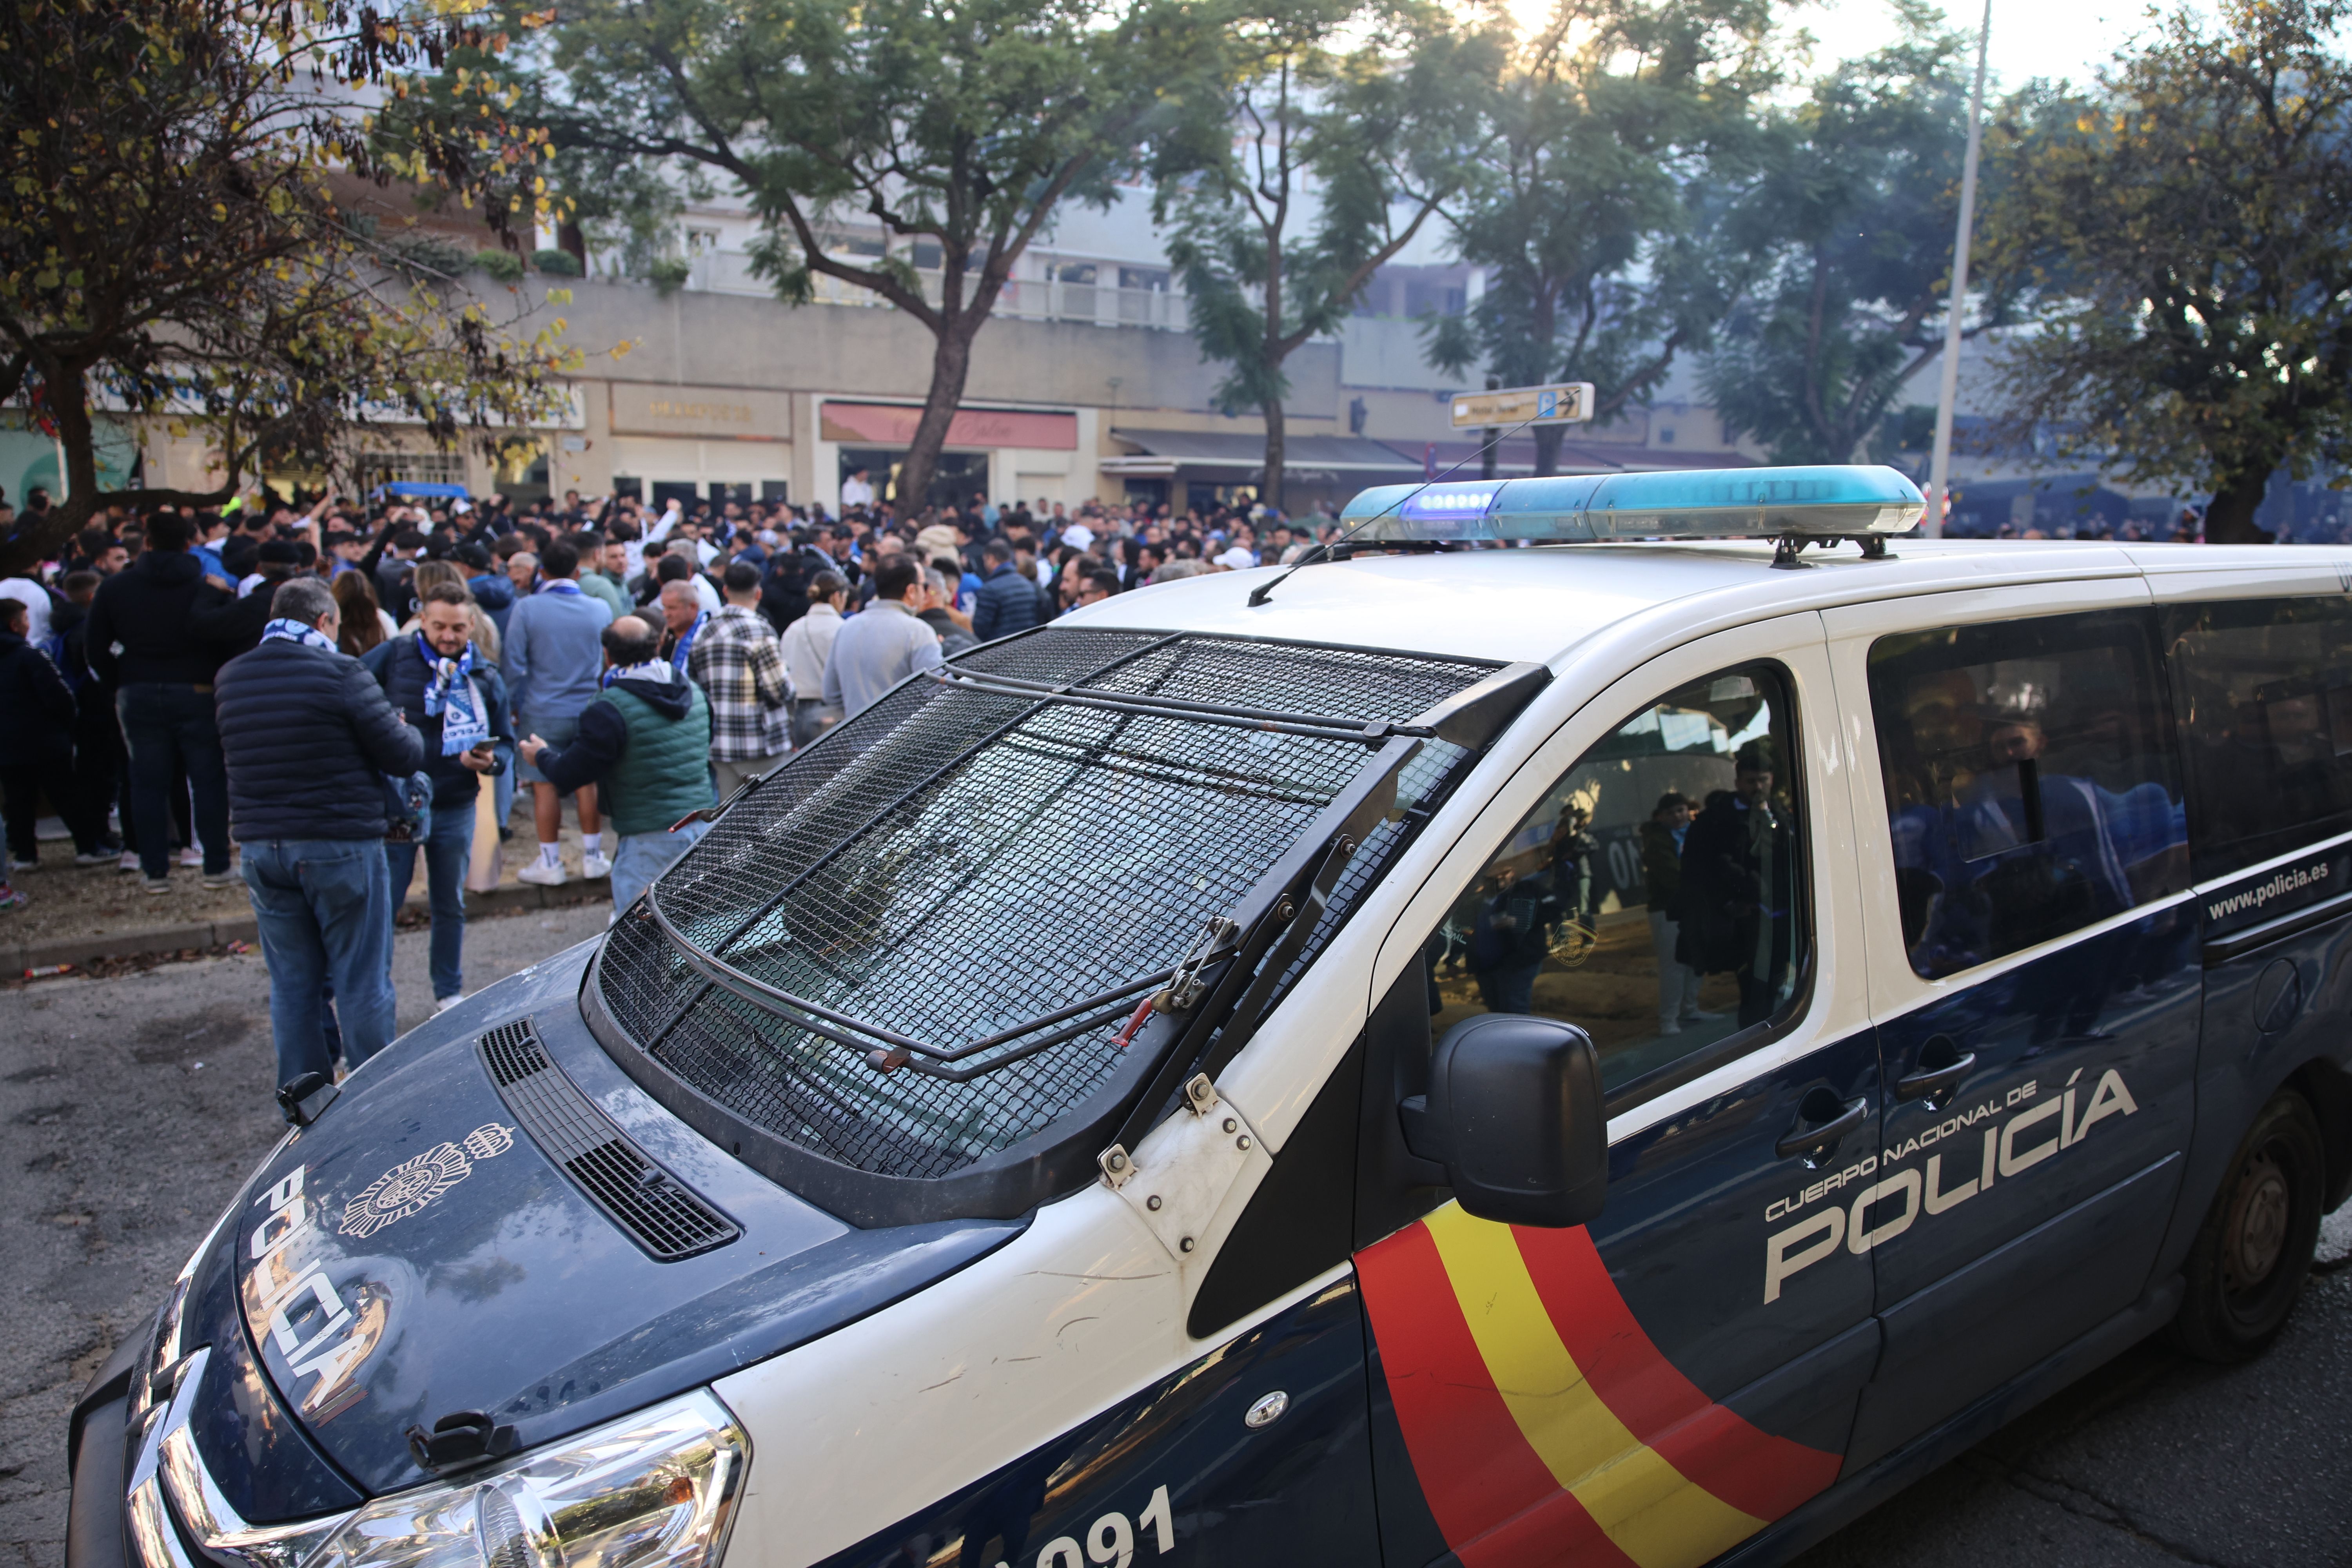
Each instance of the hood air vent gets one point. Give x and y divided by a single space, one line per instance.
652 1208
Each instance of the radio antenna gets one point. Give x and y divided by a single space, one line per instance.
1264 591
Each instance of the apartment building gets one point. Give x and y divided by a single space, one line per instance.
1086 384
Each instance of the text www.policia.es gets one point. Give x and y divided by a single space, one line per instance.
2287 882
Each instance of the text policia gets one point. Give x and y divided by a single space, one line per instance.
2020 1143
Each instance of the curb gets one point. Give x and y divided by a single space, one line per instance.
510 898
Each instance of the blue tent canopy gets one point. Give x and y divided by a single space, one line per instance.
417 488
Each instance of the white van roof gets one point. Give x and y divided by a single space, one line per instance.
1539 604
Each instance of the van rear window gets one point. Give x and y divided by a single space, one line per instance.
2265 691
998 870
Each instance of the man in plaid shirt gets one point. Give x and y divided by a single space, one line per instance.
739 665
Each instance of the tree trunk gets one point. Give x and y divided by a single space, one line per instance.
1269 492
66 395
1548 449
950 367
2231 519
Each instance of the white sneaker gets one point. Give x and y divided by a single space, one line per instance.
445 1004
594 866
541 873
1670 1027
129 861
192 855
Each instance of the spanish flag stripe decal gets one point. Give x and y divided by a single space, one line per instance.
1652 1512
1752 1470
1476 1470
1543 1424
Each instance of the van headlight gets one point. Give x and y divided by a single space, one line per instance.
656 1490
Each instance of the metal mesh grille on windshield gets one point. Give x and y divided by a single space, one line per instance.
956 863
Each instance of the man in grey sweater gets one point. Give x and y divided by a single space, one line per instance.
881 644
554 654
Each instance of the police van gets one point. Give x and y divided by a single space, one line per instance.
1626 1049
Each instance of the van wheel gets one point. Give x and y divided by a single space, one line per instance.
2254 1252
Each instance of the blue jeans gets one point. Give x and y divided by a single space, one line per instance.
1508 990
169 727
556 730
642 857
448 845
324 906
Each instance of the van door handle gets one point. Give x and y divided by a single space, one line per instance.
1816 1140
1930 1081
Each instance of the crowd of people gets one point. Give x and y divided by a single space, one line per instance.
298 696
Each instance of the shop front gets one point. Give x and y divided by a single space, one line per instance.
699 443
1029 454
1206 468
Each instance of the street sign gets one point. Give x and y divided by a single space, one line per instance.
1569 403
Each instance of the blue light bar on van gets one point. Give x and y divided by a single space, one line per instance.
1842 501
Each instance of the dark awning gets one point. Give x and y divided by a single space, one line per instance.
1241 455
1516 456
1237 456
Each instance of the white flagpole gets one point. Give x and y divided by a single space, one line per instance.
1939 465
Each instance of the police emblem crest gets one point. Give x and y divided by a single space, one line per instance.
417 1181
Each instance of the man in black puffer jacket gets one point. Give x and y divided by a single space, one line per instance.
308 737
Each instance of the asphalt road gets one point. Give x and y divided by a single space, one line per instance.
131 1108
131 1111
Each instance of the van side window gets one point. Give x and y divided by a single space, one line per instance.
2263 688
2031 786
1656 897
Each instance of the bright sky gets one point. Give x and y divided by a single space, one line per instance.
2029 38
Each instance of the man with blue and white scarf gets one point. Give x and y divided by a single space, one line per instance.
456 699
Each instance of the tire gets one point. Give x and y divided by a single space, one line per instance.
2251 1257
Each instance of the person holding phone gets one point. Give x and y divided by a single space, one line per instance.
451 692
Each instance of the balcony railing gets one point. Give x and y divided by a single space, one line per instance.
1034 299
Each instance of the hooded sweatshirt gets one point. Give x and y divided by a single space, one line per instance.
145 609
644 743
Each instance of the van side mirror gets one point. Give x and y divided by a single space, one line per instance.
1514 1113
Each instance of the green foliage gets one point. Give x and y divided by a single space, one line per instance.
172 243
1383 131
1850 216
556 263
1595 216
668 275
2187 226
505 266
960 125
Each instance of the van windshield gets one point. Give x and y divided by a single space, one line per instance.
917 944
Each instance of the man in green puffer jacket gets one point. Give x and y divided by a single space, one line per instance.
644 743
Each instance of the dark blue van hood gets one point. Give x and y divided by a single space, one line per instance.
415 1253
